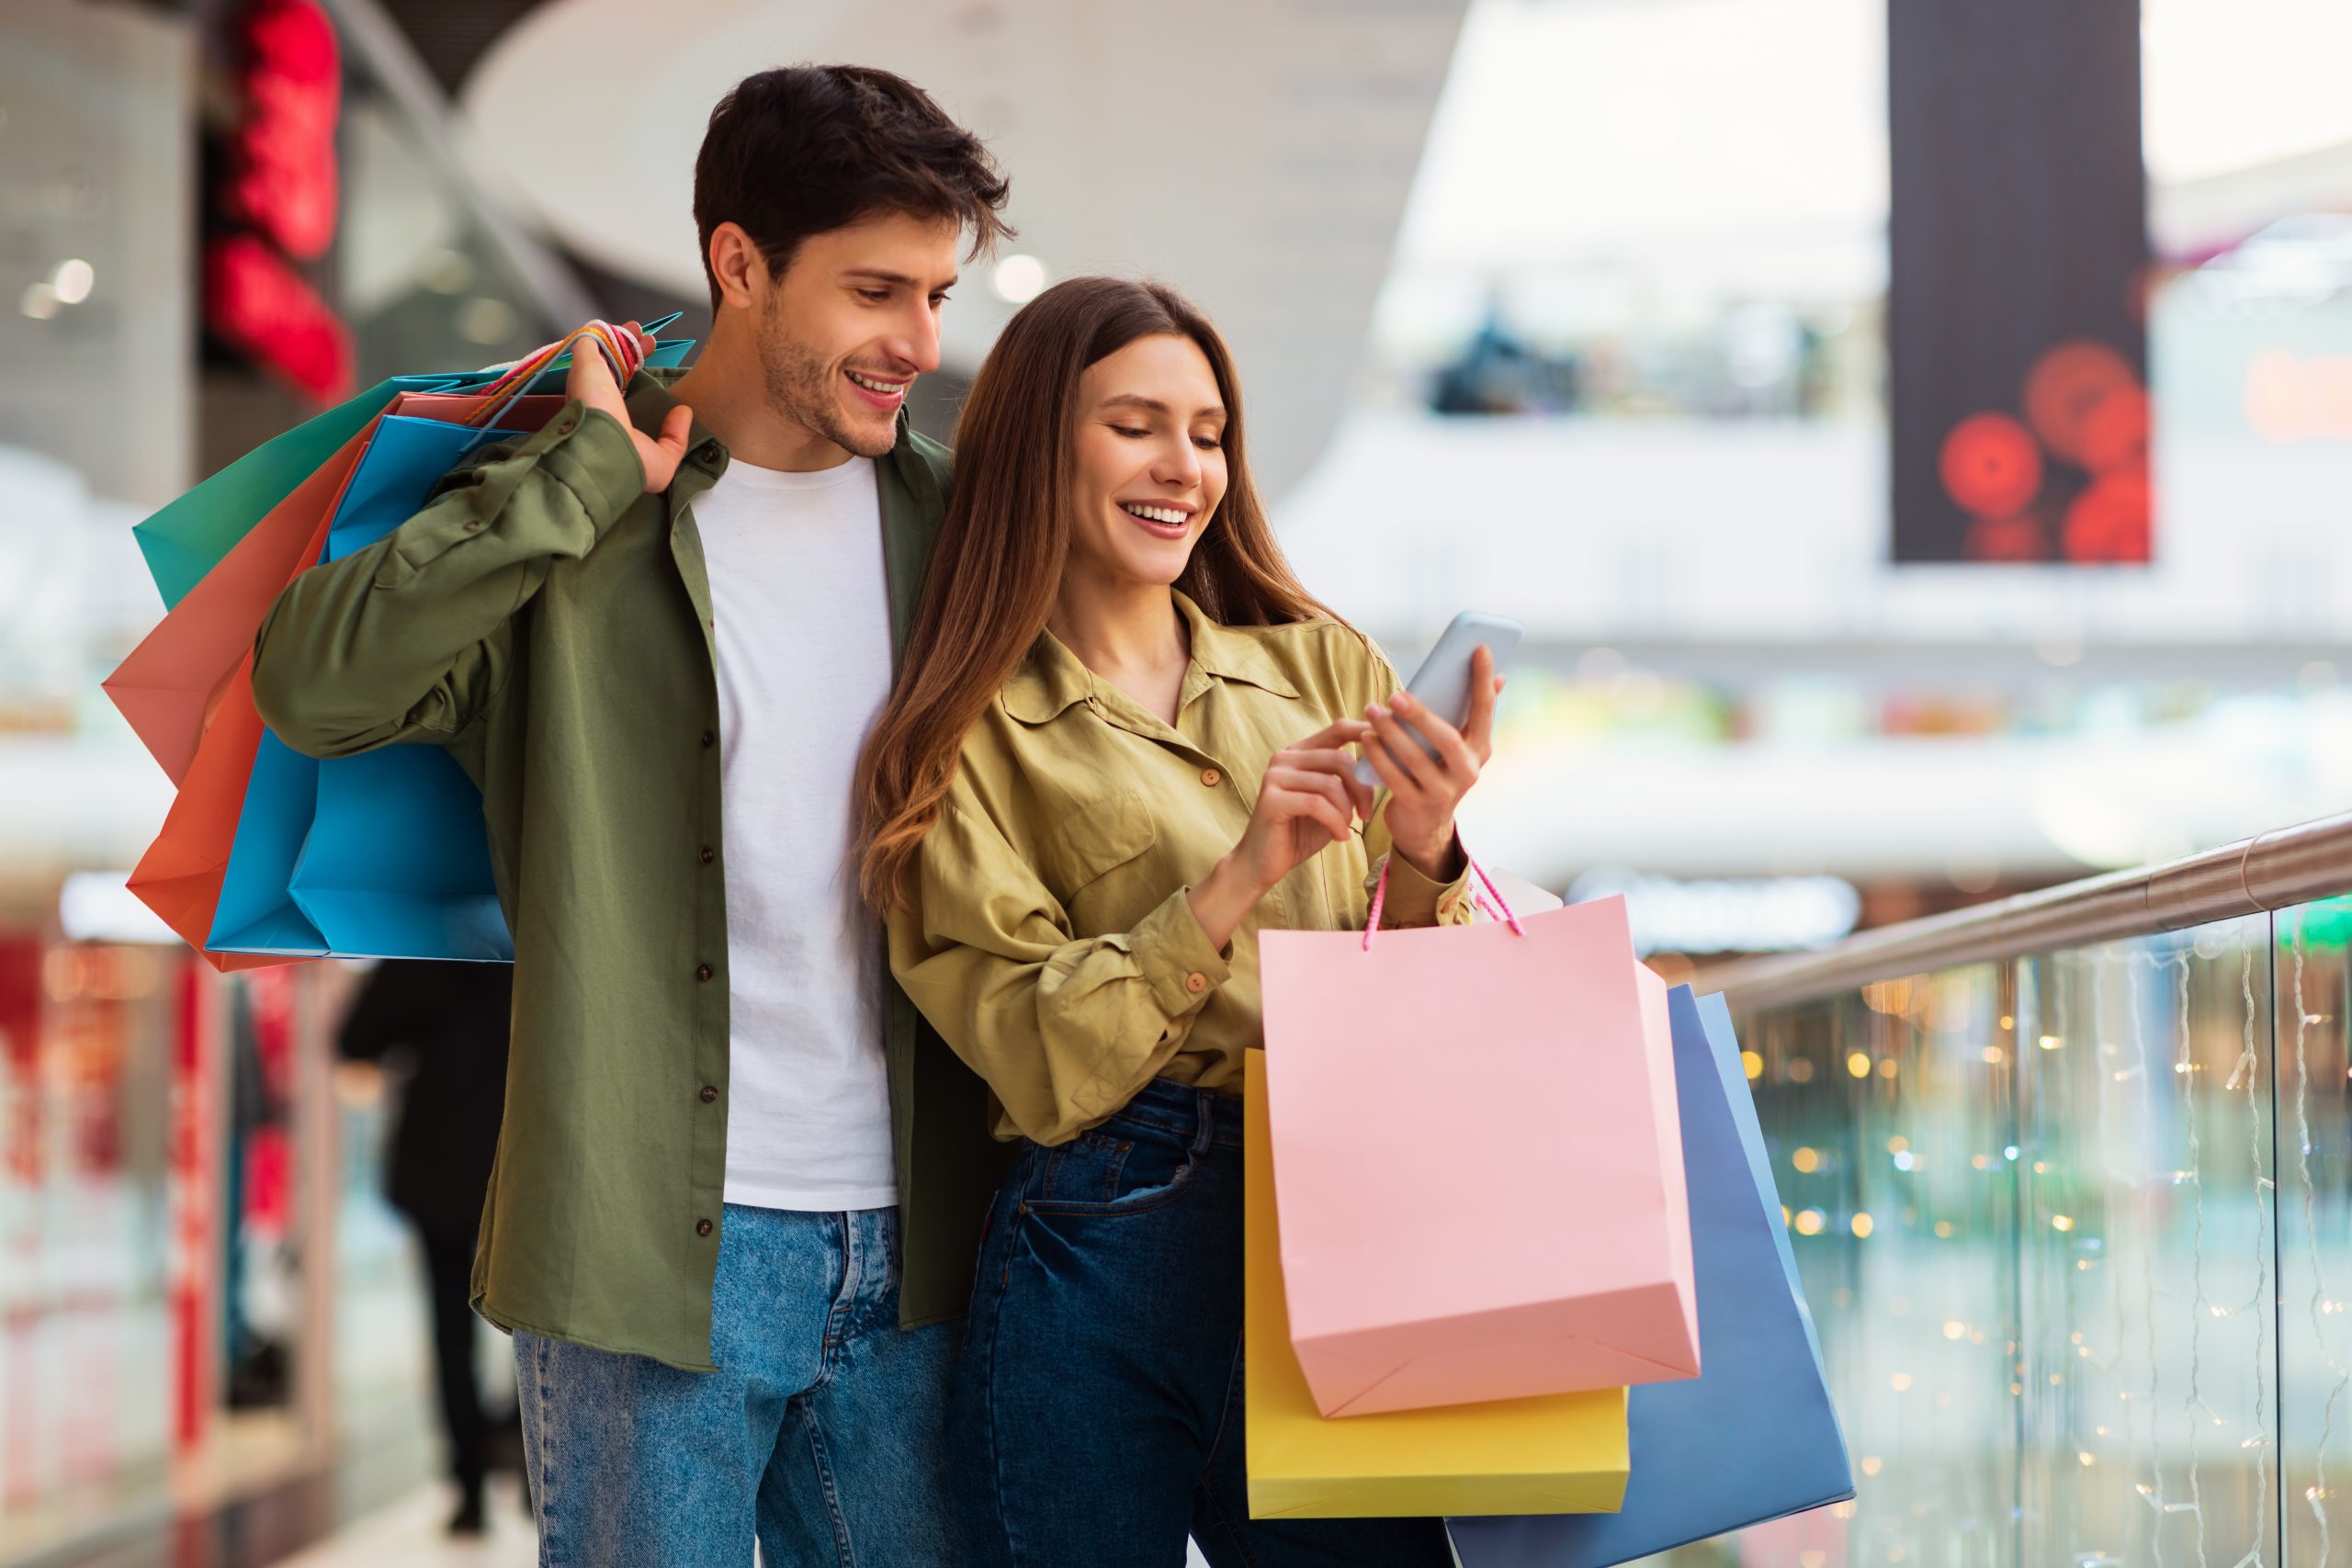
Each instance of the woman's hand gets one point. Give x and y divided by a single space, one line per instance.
1308 801
591 382
1422 790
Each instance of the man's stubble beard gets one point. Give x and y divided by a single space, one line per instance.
800 388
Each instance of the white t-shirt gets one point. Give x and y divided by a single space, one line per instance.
800 617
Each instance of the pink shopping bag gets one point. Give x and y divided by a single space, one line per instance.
1477 1160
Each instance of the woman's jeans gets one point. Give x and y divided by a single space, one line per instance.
1096 1411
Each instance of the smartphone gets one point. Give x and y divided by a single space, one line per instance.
1442 682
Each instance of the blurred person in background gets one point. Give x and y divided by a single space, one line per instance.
654 632
1116 751
441 1031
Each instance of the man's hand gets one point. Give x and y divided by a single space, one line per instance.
591 382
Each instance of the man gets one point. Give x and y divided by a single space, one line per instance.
445 1025
654 632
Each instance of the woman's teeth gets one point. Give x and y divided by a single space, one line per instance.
1167 516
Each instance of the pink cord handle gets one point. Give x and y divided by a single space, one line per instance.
1380 900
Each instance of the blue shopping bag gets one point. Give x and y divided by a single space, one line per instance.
384 854
1754 1436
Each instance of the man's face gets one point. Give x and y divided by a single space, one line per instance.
852 321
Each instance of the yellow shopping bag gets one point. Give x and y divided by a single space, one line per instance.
1558 1454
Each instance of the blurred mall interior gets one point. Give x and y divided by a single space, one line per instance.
1919 448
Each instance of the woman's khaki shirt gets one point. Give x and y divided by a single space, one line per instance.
1050 940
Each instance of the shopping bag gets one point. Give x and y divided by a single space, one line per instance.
179 877
384 854
1523 1456
188 538
179 672
1478 1163
1754 1436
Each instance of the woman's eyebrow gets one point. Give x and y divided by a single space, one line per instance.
1153 405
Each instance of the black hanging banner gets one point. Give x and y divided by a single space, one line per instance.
2017 330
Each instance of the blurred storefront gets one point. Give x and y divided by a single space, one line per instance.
213 217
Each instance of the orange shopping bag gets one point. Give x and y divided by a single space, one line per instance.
179 876
1477 1160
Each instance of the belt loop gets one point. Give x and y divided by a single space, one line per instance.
1204 1118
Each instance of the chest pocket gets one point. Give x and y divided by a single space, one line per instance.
1088 844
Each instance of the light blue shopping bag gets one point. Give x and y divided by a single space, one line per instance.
1754 1436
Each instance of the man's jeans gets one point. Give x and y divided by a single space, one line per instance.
822 1429
1097 1409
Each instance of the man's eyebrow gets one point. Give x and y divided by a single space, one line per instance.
1153 405
883 275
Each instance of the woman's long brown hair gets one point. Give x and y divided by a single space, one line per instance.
998 569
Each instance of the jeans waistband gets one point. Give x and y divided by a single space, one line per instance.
1199 1117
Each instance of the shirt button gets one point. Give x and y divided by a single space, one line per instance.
1211 777
709 854
707 452
1196 982
702 1227
708 739
702 972
709 1093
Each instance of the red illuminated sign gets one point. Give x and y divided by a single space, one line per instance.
257 301
280 192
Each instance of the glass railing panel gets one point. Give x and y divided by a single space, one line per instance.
1887 1114
2314 1230
2147 1372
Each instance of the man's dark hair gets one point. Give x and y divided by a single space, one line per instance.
809 148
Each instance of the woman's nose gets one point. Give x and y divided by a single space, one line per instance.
1179 464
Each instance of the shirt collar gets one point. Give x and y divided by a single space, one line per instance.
1232 655
1051 679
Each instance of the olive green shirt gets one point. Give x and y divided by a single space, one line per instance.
549 623
1049 936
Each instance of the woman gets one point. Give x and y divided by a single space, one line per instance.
1115 752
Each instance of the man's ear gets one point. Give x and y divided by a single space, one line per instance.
737 265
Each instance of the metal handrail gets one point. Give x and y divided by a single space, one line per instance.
2273 870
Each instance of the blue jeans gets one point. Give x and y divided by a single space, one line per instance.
1097 1407
821 1432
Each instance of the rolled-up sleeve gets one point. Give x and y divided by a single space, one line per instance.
1064 1029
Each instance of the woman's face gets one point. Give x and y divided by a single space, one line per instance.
1150 459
